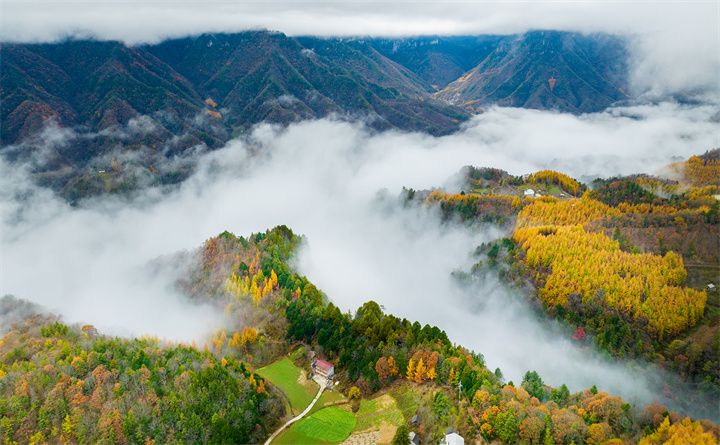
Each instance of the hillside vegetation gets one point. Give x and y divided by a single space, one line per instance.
66 383
60 383
628 263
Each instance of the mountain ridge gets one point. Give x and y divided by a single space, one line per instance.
152 102
546 70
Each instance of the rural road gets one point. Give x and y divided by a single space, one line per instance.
298 417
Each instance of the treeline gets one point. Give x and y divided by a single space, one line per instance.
61 384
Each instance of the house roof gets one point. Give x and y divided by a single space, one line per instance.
454 439
324 366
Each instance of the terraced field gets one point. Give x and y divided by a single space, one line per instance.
327 426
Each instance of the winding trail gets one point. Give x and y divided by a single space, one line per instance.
298 417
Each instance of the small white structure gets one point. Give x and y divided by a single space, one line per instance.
711 286
453 439
529 192
414 438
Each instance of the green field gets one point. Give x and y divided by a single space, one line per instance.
326 426
286 376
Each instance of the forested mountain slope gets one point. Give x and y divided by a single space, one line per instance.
68 383
630 264
100 116
546 70
250 77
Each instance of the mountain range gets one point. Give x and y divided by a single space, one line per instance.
160 100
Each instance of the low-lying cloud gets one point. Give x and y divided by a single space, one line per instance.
338 183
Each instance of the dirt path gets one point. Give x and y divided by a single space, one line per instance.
298 417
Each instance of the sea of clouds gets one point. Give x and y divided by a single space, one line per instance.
338 183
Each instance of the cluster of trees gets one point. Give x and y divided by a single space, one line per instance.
533 413
552 211
705 200
230 265
252 283
373 349
701 170
647 195
537 414
697 357
684 432
498 209
592 266
60 384
489 174
562 180
238 341
624 190
423 367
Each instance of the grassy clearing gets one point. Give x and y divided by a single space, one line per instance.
408 400
326 426
291 381
373 413
328 398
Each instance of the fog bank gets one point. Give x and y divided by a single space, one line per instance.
337 183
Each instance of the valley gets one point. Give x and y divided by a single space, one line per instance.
391 373
355 223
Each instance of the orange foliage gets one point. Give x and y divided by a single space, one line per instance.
554 177
682 433
592 265
699 171
551 211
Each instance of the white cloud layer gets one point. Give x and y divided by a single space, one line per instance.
676 44
336 183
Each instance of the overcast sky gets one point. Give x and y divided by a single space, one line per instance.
676 45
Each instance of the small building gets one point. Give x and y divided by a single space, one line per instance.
453 439
414 438
323 369
529 192
415 420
